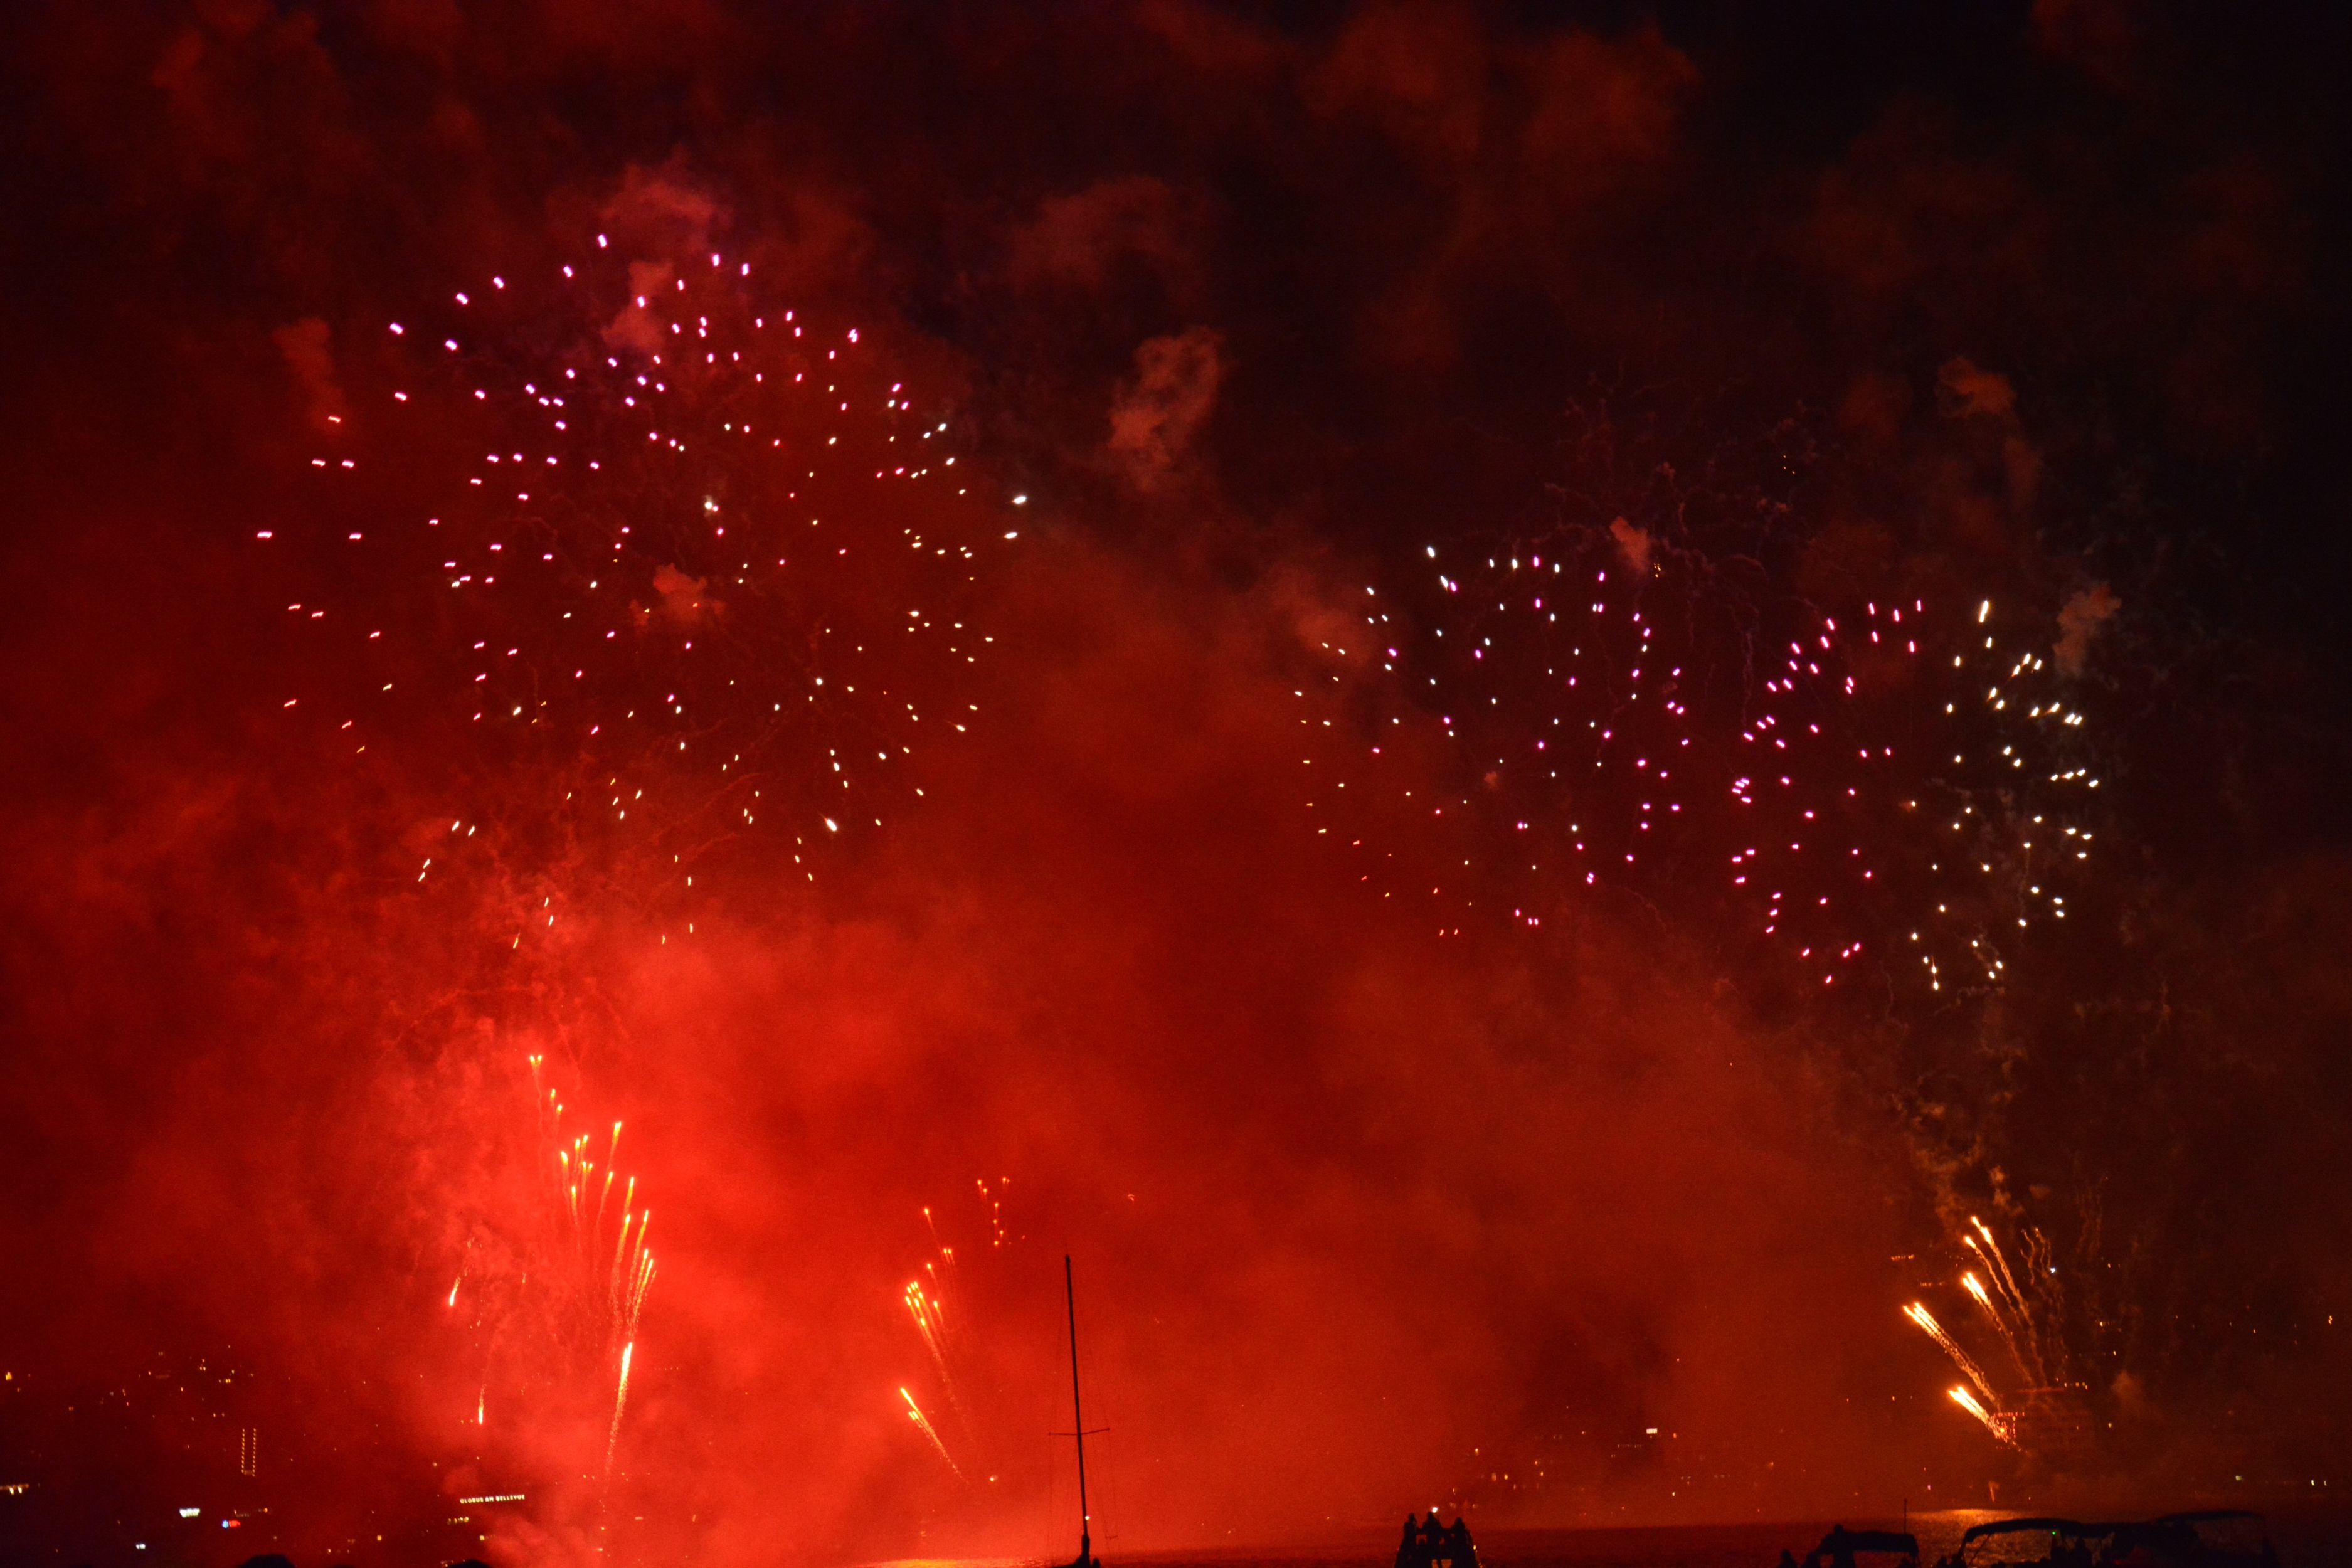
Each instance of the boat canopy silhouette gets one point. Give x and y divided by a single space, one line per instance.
1841 1547
2208 1538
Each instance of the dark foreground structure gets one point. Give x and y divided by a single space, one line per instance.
2214 1537
1430 1544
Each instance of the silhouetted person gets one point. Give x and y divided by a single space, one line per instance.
1410 1553
1432 1539
1788 1558
1458 1546
268 1560
1841 1548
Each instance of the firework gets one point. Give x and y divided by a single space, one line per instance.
2014 1317
925 1313
1992 1312
620 1283
709 565
915 1413
620 1403
2047 1412
554 1295
1882 787
945 1321
1968 1402
1919 1314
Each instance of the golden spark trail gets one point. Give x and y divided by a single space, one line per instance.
1990 1252
611 1154
644 1282
600 1300
2015 1315
1919 1314
917 1308
2048 1319
942 1271
1999 1316
928 1323
916 1413
1968 1402
620 1401
2025 1316
620 1256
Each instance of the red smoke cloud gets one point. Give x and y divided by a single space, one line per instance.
1359 1209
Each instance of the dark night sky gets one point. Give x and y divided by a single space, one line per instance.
2042 304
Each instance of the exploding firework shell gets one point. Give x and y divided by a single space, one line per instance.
714 561
1888 788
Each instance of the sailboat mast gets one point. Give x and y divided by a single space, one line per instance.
1078 1413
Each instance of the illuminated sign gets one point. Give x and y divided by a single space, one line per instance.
190 1512
502 1497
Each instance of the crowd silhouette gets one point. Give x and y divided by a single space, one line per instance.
1430 1543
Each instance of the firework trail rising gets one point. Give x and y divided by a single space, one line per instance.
694 563
626 1279
556 1289
620 1403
